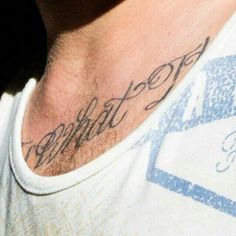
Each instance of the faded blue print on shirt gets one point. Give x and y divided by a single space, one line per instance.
218 103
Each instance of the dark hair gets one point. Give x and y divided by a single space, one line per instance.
22 44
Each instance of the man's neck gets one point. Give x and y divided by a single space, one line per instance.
92 70
101 57
88 55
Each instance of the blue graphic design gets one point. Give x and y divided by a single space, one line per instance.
218 103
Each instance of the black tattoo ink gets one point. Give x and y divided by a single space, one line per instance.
156 79
85 127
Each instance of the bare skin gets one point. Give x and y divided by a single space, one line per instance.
105 77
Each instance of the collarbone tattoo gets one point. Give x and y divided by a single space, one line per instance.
85 128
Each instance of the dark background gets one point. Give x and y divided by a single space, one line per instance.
22 44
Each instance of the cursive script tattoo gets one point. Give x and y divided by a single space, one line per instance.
86 127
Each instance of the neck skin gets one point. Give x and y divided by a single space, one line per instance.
101 57
90 58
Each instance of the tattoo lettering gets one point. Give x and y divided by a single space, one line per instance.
66 138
